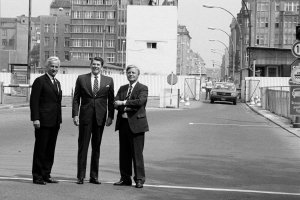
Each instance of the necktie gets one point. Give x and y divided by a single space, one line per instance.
55 85
95 87
129 93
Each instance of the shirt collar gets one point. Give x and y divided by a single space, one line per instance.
51 77
133 84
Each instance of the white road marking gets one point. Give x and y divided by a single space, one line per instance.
181 187
241 125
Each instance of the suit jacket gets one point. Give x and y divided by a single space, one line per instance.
135 107
86 104
45 102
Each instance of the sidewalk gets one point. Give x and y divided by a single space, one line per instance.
278 120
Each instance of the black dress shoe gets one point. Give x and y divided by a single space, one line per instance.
50 180
139 184
94 181
123 183
39 181
80 181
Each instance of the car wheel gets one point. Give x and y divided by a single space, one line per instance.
211 101
234 102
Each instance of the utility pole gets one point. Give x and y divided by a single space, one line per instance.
29 44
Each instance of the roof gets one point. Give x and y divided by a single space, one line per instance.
86 64
60 4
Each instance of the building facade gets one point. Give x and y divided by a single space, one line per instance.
183 48
268 31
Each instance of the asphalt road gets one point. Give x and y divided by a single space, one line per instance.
206 151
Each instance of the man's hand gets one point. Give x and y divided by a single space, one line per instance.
119 103
36 124
108 121
76 121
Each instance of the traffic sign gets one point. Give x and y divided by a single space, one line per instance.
296 49
172 79
295 71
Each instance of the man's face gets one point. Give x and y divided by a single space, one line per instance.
96 67
52 68
132 75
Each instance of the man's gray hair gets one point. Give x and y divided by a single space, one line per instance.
132 66
52 59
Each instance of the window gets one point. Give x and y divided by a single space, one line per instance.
110 15
67 55
88 14
277 22
110 29
46 28
262 6
98 29
110 43
4 32
87 43
87 29
76 43
98 43
4 42
55 40
46 41
47 55
67 42
277 6
67 28
291 6
110 58
77 29
11 42
151 45
261 39
99 15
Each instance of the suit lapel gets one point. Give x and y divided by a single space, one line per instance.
134 90
51 84
89 84
124 93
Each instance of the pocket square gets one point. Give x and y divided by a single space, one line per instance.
107 86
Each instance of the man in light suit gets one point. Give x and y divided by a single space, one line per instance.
92 109
132 124
45 108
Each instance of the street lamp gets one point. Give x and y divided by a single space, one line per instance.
225 47
55 30
122 63
240 29
233 50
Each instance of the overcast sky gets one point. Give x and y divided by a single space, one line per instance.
190 13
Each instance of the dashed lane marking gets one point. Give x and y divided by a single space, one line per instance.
181 187
241 125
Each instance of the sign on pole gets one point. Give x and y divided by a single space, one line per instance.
295 88
296 49
172 80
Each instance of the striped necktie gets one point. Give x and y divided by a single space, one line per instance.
96 86
129 93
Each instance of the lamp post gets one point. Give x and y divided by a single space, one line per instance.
239 27
224 46
233 51
122 63
55 30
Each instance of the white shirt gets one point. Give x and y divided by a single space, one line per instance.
124 115
52 80
93 79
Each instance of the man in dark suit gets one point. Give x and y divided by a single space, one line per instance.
132 124
93 102
45 108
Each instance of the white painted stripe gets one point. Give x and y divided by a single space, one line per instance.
180 187
241 125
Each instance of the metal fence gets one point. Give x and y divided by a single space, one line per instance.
276 99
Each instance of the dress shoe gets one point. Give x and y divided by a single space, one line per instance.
123 183
80 181
50 180
39 181
94 181
139 184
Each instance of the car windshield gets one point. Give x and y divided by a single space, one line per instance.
224 86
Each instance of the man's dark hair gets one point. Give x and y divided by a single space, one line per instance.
98 59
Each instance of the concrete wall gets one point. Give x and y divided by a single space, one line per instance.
152 24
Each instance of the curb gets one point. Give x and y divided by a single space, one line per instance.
278 123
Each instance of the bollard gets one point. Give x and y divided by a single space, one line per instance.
1 93
296 123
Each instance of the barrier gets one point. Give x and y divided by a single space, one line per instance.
2 86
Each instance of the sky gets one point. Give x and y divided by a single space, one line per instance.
191 13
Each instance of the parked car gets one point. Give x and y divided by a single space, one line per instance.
224 91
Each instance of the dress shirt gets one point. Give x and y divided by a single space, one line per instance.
93 79
52 80
124 115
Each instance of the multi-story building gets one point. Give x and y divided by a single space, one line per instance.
268 32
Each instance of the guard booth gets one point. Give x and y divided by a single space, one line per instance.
18 76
